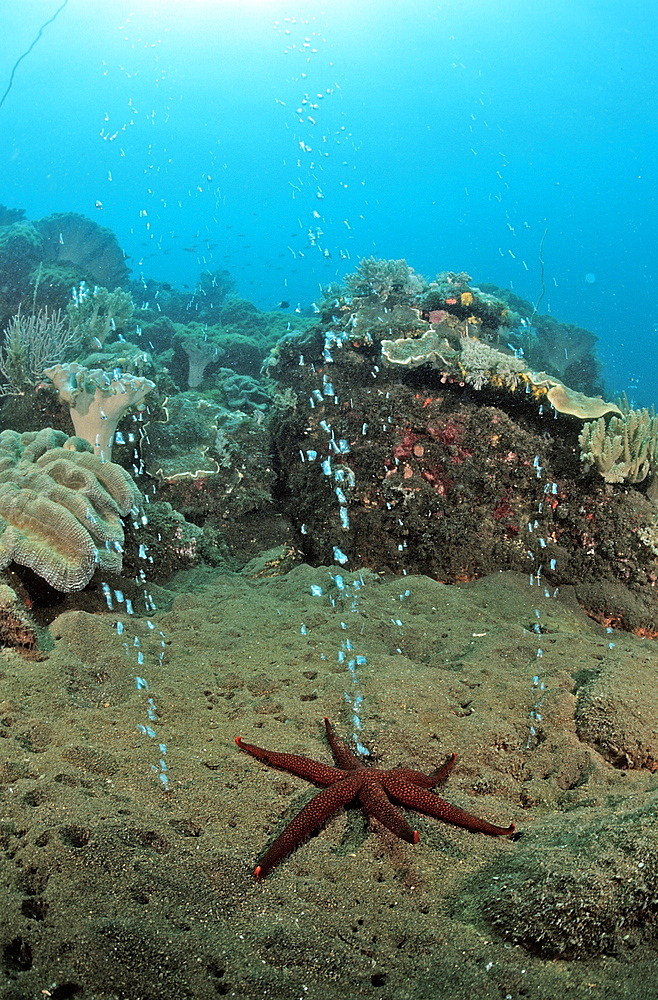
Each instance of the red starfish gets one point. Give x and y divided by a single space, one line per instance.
374 789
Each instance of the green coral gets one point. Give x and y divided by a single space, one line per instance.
21 249
51 284
93 315
244 392
241 339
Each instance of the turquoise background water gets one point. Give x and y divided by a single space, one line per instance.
284 141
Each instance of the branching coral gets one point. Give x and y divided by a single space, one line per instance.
97 401
93 314
31 342
392 282
61 508
625 449
482 364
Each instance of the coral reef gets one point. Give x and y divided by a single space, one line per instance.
389 282
40 262
436 439
567 351
623 450
21 249
450 458
61 508
452 293
93 314
240 337
202 304
200 352
479 365
97 401
68 236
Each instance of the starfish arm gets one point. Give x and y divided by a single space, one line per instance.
426 802
339 748
376 802
427 780
315 812
303 767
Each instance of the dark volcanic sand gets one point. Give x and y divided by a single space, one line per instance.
114 887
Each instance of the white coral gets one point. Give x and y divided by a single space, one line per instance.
480 362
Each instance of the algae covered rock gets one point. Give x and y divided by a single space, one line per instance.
559 898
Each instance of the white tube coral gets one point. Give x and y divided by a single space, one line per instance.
97 401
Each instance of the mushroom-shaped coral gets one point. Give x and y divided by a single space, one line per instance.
97 401
61 508
200 352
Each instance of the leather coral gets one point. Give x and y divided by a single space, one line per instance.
97 401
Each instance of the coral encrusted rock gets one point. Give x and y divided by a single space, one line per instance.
61 507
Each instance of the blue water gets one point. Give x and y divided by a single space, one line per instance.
283 141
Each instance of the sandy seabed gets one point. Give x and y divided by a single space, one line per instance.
123 880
